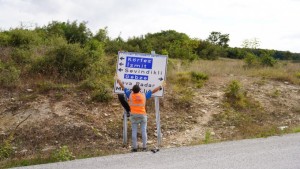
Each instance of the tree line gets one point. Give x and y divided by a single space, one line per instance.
69 50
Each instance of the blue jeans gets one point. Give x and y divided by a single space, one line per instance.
137 119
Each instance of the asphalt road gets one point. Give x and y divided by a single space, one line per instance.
279 152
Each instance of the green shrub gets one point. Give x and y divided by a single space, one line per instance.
298 75
88 84
46 86
4 39
235 97
183 78
296 130
66 61
102 94
6 149
72 31
184 96
234 90
95 49
21 56
63 154
9 75
207 138
199 78
251 60
267 60
23 38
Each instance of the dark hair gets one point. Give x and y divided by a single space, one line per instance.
136 88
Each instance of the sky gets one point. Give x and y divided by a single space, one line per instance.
274 23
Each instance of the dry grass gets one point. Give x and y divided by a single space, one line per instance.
283 71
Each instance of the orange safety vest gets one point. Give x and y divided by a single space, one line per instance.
137 103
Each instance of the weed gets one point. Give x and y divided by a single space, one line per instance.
58 96
298 75
184 96
28 97
275 93
207 138
296 130
6 149
251 60
234 95
183 78
63 154
9 75
199 78
47 86
101 95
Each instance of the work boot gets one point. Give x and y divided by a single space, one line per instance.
144 149
134 150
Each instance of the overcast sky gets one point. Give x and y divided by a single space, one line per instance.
275 23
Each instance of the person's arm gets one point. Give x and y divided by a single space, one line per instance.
159 87
156 89
119 82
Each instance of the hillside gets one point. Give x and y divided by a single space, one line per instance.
41 123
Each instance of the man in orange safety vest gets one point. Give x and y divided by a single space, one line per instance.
138 115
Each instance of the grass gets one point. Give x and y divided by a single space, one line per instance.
283 71
296 130
207 138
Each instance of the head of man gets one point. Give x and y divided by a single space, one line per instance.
136 89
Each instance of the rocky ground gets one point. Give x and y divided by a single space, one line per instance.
41 123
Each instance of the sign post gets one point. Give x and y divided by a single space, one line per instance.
146 70
157 115
124 128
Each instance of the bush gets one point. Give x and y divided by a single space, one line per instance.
95 49
9 75
183 97
46 86
6 149
267 60
21 56
251 60
4 39
66 60
183 78
199 78
23 38
234 90
63 154
102 95
298 75
235 97
73 32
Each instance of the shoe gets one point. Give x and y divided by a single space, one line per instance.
144 149
134 150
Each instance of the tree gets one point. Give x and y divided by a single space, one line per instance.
102 35
251 43
73 32
217 38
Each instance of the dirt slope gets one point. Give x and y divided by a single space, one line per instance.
96 128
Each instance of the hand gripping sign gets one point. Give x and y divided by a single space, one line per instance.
146 70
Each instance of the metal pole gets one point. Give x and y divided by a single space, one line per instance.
156 102
125 128
156 99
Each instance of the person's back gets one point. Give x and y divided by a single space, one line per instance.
137 103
